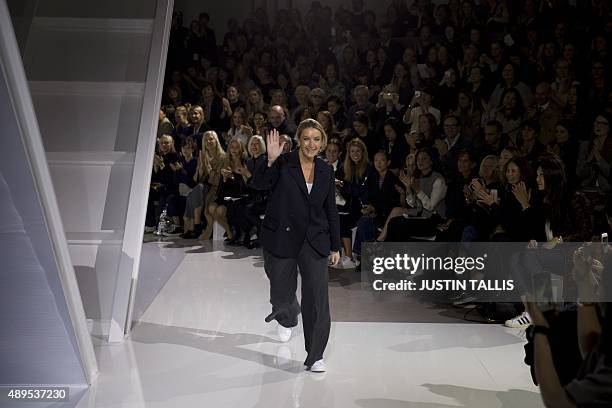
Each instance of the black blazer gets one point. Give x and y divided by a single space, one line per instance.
293 215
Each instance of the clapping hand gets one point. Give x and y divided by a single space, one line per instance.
441 146
523 196
176 166
226 173
158 161
482 196
275 146
404 178
468 194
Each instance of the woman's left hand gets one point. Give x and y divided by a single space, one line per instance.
523 196
552 243
334 258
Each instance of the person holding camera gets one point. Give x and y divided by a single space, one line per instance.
592 384
420 104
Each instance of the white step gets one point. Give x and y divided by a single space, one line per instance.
94 116
92 188
75 49
95 267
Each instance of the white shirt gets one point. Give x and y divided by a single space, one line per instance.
438 193
309 187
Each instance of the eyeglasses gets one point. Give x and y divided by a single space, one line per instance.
451 125
602 122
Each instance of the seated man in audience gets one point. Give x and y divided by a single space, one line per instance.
278 121
450 146
494 141
545 111
164 126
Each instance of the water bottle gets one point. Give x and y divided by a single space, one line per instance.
164 223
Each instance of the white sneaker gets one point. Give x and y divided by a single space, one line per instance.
348 263
284 333
318 367
340 264
518 322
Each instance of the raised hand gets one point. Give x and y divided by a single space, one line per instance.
404 178
275 146
522 195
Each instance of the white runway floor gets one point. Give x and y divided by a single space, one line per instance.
202 342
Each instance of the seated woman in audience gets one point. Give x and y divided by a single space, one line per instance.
507 154
395 145
239 128
250 209
164 185
510 80
326 120
381 197
427 133
457 204
362 130
425 196
508 211
595 159
420 104
468 114
479 225
174 96
352 188
255 102
207 177
336 108
260 123
407 171
565 145
529 146
548 217
331 83
217 110
232 189
183 127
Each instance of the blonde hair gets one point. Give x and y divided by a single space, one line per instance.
219 152
311 124
242 154
351 169
254 139
495 171
167 138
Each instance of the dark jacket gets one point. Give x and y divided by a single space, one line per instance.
384 198
293 215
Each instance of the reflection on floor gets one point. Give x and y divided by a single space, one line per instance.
202 342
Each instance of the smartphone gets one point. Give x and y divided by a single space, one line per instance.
494 193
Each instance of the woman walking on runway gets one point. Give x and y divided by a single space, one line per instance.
300 230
